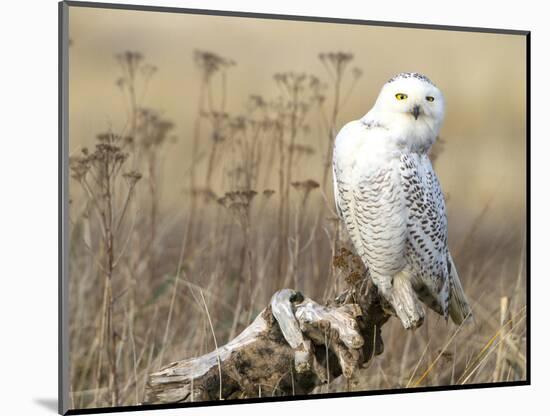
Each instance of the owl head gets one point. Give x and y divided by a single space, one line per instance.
411 103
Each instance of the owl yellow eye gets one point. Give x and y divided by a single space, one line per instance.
430 98
401 96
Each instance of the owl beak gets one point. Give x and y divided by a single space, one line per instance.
416 111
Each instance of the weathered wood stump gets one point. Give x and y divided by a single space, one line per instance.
291 347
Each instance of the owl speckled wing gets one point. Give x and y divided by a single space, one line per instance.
427 252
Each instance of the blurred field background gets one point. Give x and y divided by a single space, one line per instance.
199 149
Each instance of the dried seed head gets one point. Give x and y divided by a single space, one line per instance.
79 165
104 137
238 199
130 60
257 101
210 63
238 124
206 194
305 186
302 149
268 193
357 72
152 129
336 62
148 70
132 177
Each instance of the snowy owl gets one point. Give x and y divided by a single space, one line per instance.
390 200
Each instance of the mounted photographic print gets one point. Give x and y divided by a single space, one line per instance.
264 207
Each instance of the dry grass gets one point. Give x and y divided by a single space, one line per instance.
150 284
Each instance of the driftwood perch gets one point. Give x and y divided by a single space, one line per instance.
291 347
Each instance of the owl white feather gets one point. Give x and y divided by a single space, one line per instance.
390 200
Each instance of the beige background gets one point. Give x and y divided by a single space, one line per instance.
482 75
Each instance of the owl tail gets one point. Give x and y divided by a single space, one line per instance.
459 308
